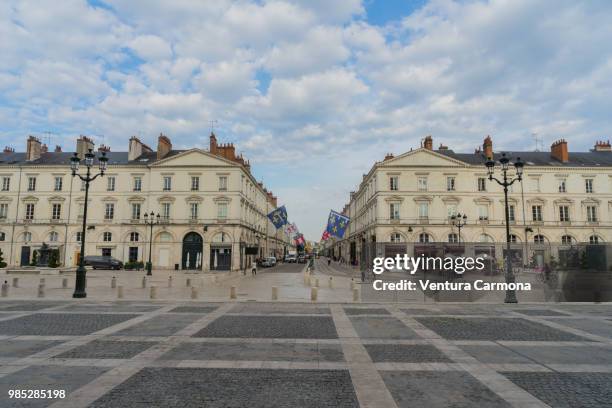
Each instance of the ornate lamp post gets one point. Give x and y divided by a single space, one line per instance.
459 221
80 284
505 183
150 222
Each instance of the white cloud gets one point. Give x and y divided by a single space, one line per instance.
151 47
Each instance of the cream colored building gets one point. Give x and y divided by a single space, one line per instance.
211 207
565 198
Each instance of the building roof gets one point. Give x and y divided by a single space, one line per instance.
63 158
576 159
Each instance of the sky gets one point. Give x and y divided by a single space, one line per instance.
312 92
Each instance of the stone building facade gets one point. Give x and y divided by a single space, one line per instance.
213 212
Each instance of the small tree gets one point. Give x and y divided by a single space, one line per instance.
34 260
54 259
2 263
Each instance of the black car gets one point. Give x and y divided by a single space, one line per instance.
103 262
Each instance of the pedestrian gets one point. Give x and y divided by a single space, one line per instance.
328 261
254 268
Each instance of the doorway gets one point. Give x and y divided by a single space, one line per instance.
220 259
25 255
192 251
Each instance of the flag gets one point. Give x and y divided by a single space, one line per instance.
299 240
325 236
336 224
278 217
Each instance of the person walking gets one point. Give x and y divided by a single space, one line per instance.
254 268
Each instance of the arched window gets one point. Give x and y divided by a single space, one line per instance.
593 239
107 237
396 237
513 238
567 240
165 237
134 236
453 238
485 238
221 237
53 236
2 236
424 237
538 239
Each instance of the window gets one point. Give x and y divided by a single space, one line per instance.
535 184
562 186
482 184
450 184
394 211
485 238
110 184
511 213
513 238
451 210
107 252
566 240
53 236
422 183
166 211
6 183
137 184
81 210
222 210
564 213
29 215
134 236
453 238
222 183
195 183
393 183
27 236
424 237
2 236
194 211
56 212
167 183
3 211
593 239
78 236
591 213
536 213
135 211
423 210
538 239
588 184
483 212
58 184
31 183
133 254
396 237
109 211
107 237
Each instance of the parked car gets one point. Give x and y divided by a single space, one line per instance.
301 259
268 262
103 262
290 258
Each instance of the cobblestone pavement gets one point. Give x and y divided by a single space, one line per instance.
265 354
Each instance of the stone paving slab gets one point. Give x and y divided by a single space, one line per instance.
107 349
495 354
164 325
541 312
115 307
306 327
193 309
288 308
195 387
597 327
61 324
404 353
30 306
381 327
566 355
22 348
354 311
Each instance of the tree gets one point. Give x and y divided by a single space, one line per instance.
54 259
34 260
2 263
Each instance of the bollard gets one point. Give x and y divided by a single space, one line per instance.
188 282
144 282
352 284
233 292
119 292
41 290
153 292
15 282
306 278
194 292
113 283
331 283
274 293
355 295
42 281
313 294
5 289
169 281
65 283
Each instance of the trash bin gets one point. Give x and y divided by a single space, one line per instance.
176 267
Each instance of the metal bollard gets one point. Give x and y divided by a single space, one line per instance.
153 292
119 292
113 283
331 283
144 282
274 293
5 289
15 282
188 282
233 292
194 292
65 283
313 294
169 281
355 295
41 290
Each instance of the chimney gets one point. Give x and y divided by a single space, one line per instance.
104 148
9 149
163 146
213 144
58 149
44 148
137 148
558 150
84 144
487 147
33 148
442 147
428 143
389 156
601 146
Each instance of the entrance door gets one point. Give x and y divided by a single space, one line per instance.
164 257
192 251
220 259
133 254
25 256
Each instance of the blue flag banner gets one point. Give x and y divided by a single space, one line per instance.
337 223
278 217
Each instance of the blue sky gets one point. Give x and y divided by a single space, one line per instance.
313 92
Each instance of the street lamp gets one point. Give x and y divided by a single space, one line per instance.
505 183
459 221
80 284
150 222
